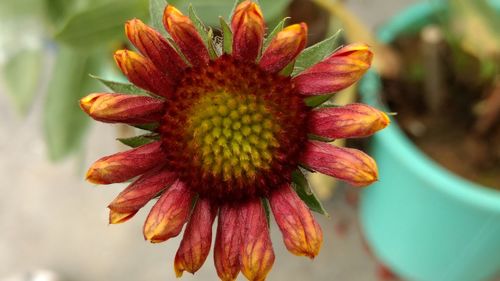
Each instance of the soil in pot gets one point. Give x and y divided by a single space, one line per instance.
448 103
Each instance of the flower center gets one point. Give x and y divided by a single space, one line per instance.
232 131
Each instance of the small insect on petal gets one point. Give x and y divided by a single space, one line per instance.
257 254
168 215
195 244
122 108
125 165
185 35
339 71
350 165
284 48
228 243
301 233
248 31
143 73
141 191
351 121
151 44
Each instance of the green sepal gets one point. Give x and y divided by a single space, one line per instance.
206 34
156 8
152 127
288 69
315 53
227 43
267 210
304 191
139 140
122 88
319 138
279 27
316 101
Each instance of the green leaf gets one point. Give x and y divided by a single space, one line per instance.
227 36
122 88
156 8
64 122
206 35
138 140
100 24
279 27
316 101
301 186
22 77
315 53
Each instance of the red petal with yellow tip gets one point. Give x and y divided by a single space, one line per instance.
350 121
248 31
117 217
185 35
151 44
350 165
284 48
301 233
257 255
168 215
141 191
228 243
120 108
125 165
339 71
143 73
195 244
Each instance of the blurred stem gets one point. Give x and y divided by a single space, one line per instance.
434 83
489 116
386 60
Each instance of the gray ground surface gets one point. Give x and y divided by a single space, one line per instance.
50 218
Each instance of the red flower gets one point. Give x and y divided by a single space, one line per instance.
232 129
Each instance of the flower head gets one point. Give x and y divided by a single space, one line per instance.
232 128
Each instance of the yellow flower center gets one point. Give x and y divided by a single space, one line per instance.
234 134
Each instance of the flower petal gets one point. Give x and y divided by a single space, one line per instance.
168 215
257 255
195 244
125 165
117 217
284 48
248 31
151 44
184 33
350 165
339 71
141 191
350 121
143 73
301 233
122 108
228 243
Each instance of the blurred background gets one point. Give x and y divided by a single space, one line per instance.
437 66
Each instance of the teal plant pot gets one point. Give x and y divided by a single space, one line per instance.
422 221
